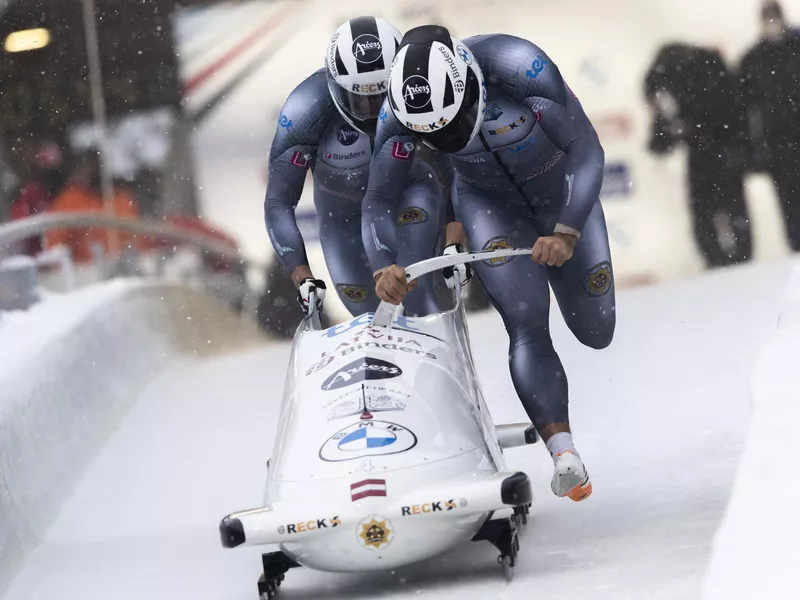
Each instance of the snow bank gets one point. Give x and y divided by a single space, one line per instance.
70 368
756 552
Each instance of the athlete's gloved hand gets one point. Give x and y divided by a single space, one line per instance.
463 272
304 290
554 250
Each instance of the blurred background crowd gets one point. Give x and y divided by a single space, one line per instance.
734 119
122 139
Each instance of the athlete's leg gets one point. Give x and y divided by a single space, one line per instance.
517 287
584 285
340 238
419 229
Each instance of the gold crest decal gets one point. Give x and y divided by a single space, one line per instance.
598 280
411 215
353 293
375 533
499 243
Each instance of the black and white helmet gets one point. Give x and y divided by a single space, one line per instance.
358 61
436 89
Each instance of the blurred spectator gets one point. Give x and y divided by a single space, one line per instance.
47 179
83 194
770 74
9 188
696 100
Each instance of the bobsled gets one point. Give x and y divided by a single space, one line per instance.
386 454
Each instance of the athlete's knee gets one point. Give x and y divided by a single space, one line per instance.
531 340
596 332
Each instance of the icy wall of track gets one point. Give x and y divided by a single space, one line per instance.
69 375
756 551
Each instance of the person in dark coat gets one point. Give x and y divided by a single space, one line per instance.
770 74
696 100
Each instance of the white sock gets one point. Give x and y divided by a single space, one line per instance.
561 442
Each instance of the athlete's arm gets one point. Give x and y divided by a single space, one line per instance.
293 151
287 175
566 124
389 174
536 81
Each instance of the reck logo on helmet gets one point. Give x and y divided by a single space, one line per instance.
369 88
367 48
430 127
416 91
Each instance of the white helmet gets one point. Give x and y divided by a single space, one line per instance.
358 61
436 89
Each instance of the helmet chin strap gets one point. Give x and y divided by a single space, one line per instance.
429 145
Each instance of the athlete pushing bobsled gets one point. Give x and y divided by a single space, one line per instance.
327 124
528 170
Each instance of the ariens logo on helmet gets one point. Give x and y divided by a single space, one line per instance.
436 89
417 91
357 64
367 48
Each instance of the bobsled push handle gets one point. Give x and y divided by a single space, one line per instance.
437 263
313 317
384 315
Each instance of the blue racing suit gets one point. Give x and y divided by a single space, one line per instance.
311 134
535 169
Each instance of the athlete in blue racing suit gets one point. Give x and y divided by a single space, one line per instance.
327 124
528 169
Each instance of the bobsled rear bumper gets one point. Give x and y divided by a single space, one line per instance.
231 532
267 525
516 490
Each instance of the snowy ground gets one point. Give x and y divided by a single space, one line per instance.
660 418
24 334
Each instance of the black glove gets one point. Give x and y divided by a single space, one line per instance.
304 290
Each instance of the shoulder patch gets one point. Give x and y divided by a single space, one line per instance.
299 159
400 151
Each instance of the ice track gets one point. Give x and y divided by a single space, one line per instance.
660 419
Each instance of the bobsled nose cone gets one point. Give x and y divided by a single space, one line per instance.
231 532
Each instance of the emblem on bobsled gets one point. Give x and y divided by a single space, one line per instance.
367 438
365 368
375 532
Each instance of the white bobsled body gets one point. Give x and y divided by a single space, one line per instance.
386 453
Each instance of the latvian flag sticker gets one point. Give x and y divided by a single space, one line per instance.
367 488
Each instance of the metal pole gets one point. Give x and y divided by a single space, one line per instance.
99 110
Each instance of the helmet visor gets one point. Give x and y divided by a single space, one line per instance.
359 106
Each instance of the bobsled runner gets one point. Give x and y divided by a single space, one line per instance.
385 454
